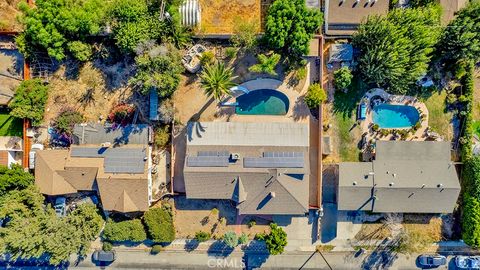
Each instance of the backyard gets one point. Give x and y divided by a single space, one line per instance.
439 119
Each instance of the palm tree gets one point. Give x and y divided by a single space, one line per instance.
266 64
216 80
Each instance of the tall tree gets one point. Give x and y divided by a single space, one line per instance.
395 50
29 101
14 178
290 26
216 80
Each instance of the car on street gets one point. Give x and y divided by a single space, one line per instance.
104 257
60 206
431 260
467 262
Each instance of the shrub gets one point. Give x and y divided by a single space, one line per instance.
156 249
66 120
260 236
276 240
231 52
471 221
266 64
81 51
122 114
230 239
207 58
251 223
107 246
29 101
243 239
375 127
315 96
130 230
245 34
342 78
159 223
301 73
162 137
202 236
214 211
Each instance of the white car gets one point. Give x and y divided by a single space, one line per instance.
467 262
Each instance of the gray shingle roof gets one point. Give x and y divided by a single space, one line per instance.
98 134
409 177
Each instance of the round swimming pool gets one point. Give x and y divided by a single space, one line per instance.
262 102
395 116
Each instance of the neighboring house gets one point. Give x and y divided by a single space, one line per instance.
342 17
11 151
120 172
262 167
450 7
405 177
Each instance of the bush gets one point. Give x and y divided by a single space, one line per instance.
471 176
301 73
202 236
231 52
276 240
66 120
162 137
251 223
29 101
81 51
230 239
471 221
157 249
243 239
107 246
375 127
159 223
207 58
315 96
130 230
122 114
342 78
245 34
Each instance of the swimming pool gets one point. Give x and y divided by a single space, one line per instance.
262 102
395 116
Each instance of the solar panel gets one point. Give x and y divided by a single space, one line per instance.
207 161
89 152
282 154
213 154
274 162
125 160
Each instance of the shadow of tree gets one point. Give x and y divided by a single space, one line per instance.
383 256
300 110
219 248
191 245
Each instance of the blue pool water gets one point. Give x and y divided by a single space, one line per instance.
395 116
262 102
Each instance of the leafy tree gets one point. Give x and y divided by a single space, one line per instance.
471 221
162 136
14 178
216 80
266 64
290 26
276 240
202 236
230 239
315 96
58 26
158 67
66 120
130 230
342 78
395 50
29 101
461 38
245 34
159 223
81 51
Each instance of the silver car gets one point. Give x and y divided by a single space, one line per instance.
60 206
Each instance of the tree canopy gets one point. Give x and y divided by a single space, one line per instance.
129 230
14 178
159 223
395 50
29 101
216 80
266 64
342 78
33 230
315 96
58 26
290 26
461 38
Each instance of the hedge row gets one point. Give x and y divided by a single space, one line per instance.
467 136
130 230
159 224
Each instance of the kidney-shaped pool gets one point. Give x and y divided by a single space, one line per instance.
262 102
395 116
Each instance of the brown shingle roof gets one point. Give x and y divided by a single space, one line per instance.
123 195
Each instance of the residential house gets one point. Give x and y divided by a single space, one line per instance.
262 167
405 177
342 17
114 162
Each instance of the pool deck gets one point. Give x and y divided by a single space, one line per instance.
365 125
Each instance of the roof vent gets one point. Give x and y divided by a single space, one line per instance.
272 194
354 183
423 185
391 184
440 185
235 156
394 175
341 2
387 172
106 144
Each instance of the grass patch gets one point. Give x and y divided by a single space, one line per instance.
10 126
348 149
439 119
324 248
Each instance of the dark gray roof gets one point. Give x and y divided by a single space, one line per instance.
119 135
409 177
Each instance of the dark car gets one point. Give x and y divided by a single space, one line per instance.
101 256
465 262
431 260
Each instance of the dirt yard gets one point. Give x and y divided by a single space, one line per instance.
91 89
8 15
192 216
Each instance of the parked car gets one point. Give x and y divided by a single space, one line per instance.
101 256
60 206
431 260
467 262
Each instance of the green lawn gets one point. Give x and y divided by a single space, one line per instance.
439 120
10 126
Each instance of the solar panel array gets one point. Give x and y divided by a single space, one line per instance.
89 152
213 153
125 160
282 154
208 161
274 162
